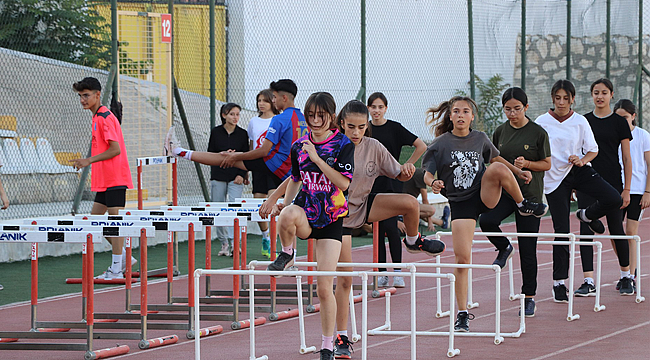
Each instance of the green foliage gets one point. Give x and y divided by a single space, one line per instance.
67 30
490 111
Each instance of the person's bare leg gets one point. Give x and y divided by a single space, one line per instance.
213 159
263 225
632 228
462 234
328 251
343 286
427 211
386 206
291 222
117 243
496 177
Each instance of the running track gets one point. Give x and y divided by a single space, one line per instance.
622 330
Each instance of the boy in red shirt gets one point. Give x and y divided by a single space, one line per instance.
110 174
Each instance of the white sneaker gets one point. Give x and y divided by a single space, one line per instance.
225 250
398 281
171 142
133 262
1 287
110 275
382 281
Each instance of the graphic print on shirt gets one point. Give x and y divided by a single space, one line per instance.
260 140
466 165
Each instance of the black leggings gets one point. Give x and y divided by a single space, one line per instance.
388 228
490 222
615 225
586 180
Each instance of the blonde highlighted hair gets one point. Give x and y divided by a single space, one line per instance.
439 117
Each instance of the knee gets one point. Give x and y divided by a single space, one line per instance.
324 289
498 170
462 259
288 216
412 205
344 282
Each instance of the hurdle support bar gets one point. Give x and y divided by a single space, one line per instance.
8 340
108 352
209 331
244 324
157 342
283 315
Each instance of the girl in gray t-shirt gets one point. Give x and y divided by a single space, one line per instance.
458 155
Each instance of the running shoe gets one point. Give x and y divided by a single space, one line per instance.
110 275
445 217
462 321
342 347
225 250
382 281
503 256
133 262
266 248
326 354
627 287
171 142
529 307
595 225
398 281
560 294
586 289
528 208
432 247
1 287
282 262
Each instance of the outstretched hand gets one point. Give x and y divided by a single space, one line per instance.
437 186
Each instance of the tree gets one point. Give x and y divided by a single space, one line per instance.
67 30
490 111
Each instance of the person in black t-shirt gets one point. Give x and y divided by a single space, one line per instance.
611 131
227 183
393 136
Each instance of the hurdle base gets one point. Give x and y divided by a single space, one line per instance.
157 342
108 352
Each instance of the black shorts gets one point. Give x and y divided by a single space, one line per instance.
331 231
633 211
258 165
468 209
370 200
113 197
262 182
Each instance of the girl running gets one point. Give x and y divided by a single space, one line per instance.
364 206
458 155
572 147
524 145
322 163
263 185
640 181
611 132
227 184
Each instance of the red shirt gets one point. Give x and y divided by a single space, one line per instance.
114 171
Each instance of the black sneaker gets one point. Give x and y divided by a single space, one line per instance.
529 307
560 294
618 285
342 347
503 256
282 262
326 354
462 321
528 208
586 289
595 225
445 217
627 286
432 247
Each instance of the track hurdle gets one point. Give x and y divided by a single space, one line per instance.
571 243
36 237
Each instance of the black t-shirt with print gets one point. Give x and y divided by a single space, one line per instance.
609 132
393 136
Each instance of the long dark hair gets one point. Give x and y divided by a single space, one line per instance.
353 107
439 117
267 96
225 109
628 106
322 101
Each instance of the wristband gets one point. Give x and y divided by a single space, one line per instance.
434 180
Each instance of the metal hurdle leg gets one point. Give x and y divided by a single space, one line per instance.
208 257
353 318
301 320
34 297
639 299
470 302
127 244
599 257
572 269
170 265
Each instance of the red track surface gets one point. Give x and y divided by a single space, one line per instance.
622 330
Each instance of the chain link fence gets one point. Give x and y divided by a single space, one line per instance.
418 53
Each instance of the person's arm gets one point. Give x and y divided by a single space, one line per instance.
407 172
291 191
3 196
539 165
436 185
112 151
520 173
267 207
627 171
580 162
425 196
420 148
645 199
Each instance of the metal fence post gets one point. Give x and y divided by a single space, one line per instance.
523 44
608 38
470 28
568 39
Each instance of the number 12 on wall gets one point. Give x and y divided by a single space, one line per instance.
166 23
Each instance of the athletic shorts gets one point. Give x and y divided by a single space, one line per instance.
370 201
258 165
262 182
331 231
113 197
468 209
634 211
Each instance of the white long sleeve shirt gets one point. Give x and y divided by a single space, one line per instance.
573 136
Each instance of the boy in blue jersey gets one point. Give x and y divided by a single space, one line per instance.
273 156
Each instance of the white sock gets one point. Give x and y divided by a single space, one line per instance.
625 274
411 239
265 234
520 204
397 270
558 282
462 311
342 333
116 266
589 280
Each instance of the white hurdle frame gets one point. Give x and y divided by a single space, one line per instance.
251 276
